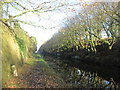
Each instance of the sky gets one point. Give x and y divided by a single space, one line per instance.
50 22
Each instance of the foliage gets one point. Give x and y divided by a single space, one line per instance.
15 49
86 30
10 52
22 45
31 61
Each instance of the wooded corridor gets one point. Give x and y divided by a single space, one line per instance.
59 44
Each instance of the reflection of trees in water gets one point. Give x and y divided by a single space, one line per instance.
75 77
80 78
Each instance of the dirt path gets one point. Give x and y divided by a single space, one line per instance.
36 77
33 77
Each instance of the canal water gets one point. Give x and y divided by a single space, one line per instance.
84 74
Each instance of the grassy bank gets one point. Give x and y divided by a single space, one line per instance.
17 49
36 73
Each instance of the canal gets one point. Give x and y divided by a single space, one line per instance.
78 74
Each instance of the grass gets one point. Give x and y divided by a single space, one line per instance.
12 47
44 65
14 43
49 71
22 45
10 52
30 61
42 62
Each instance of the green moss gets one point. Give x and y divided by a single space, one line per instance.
10 53
31 61
15 49
21 36
44 64
33 39
37 55
22 45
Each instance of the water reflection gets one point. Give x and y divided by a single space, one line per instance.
81 78
74 76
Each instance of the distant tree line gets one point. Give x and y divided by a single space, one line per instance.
86 30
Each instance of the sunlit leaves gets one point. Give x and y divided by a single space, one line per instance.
86 29
85 5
